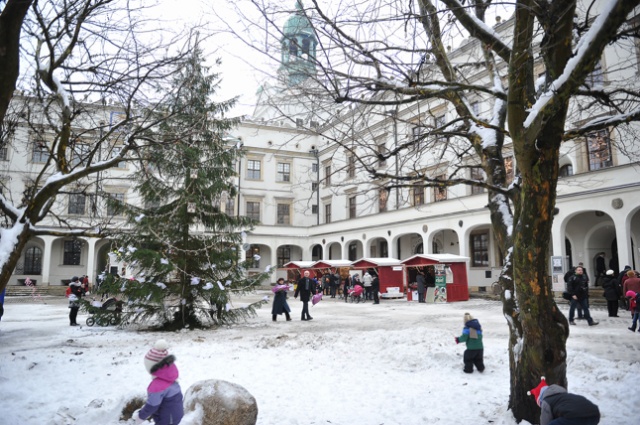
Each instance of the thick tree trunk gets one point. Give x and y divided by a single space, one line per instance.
11 20
539 330
10 264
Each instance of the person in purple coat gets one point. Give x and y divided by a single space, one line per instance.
164 395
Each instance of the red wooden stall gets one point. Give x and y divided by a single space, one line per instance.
457 281
390 273
295 269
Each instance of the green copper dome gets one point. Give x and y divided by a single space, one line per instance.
297 23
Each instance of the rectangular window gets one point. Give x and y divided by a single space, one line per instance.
383 197
596 78
284 214
72 252
418 194
115 152
284 172
327 176
382 151
314 167
599 150
351 166
230 206
284 255
77 203
114 209
439 122
254 256
475 108
480 250
477 174
79 154
508 169
314 209
299 122
40 151
4 152
314 187
253 210
440 193
352 207
253 169
327 213
417 137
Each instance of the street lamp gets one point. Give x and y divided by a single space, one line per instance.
316 154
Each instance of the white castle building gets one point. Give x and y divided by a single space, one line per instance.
313 201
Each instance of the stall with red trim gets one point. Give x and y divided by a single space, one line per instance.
294 270
339 268
454 273
390 274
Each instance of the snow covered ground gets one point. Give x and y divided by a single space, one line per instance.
393 363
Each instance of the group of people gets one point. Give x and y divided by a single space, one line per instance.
307 287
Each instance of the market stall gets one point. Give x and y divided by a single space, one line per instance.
390 273
294 270
449 272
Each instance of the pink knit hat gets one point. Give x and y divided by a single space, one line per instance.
156 354
630 294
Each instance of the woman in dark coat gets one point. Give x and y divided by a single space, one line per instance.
280 304
612 293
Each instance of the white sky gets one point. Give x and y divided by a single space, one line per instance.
356 364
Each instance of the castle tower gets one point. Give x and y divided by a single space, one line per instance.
298 47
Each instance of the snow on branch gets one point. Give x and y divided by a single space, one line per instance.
479 29
576 64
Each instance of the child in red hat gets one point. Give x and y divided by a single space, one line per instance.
562 408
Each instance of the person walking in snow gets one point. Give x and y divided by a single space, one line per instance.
560 407
472 336
306 288
634 298
75 294
2 294
164 395
612 293
579 296
280 304
367 279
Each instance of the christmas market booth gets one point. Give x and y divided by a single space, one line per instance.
390 274
295 269
339 268
445 275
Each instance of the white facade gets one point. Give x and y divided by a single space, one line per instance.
313 201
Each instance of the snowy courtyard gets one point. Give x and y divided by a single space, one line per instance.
353 364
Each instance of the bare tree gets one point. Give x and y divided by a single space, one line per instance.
93 73
518 88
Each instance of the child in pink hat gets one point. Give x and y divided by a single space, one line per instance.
164 396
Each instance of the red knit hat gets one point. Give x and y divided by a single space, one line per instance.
537 391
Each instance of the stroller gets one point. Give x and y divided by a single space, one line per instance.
356 294
105 313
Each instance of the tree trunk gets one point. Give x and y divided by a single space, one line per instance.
9 266
11 20
538 330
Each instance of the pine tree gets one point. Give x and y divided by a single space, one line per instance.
180 247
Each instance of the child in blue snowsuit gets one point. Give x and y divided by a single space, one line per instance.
472 336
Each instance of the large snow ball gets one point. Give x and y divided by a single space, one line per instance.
221 403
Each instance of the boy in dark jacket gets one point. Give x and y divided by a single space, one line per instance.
562 408
472 336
